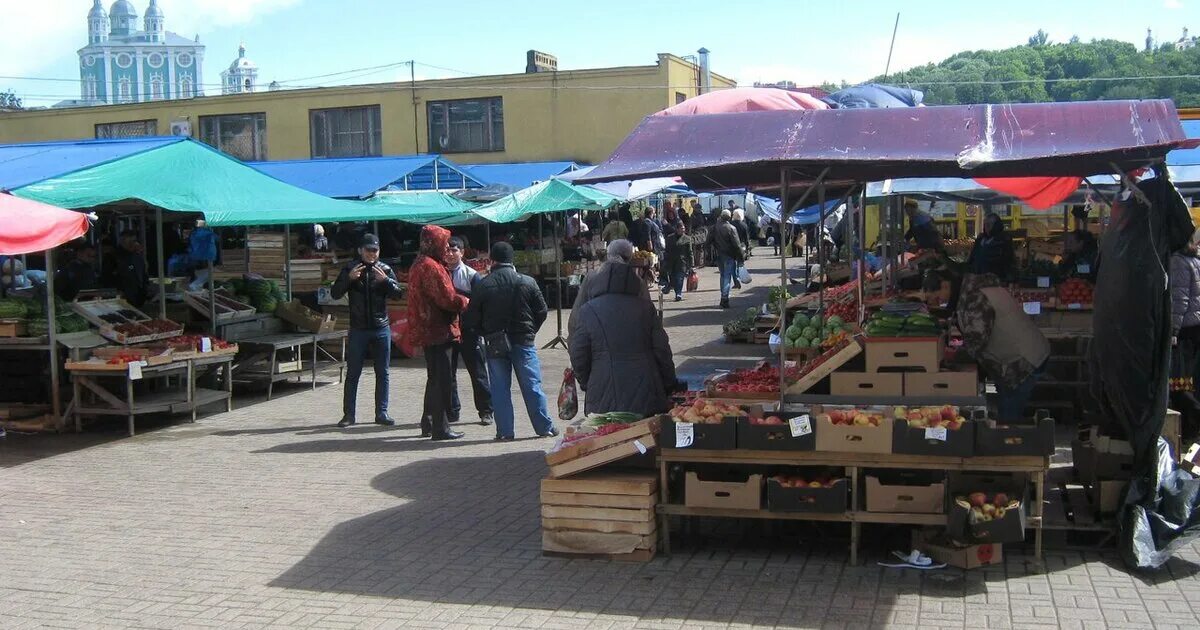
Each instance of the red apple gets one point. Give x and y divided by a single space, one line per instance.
949 413
977 499
1001 499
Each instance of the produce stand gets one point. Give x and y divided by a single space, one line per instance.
263 361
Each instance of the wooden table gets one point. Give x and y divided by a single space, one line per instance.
854 463
265 350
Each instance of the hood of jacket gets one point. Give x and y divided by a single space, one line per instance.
435 242
615 278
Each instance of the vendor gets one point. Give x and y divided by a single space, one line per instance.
79 274
921 229
131 269
1080 248
993 250
998 335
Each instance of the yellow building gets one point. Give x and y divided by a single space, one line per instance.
579 115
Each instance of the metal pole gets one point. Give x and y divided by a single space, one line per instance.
212 300
162 294
287 259
783 282
52 340
822 250
862 257
246 248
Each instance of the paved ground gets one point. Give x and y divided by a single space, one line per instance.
269 516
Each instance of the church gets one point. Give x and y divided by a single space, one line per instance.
122 64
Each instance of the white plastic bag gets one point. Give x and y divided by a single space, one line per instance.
743 275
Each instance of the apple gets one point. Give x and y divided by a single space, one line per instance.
977 499
988 509
954 425
915 415
1001 500
931 414
861 420
875 420
1000 512
814 484
900 413
949 413
774 420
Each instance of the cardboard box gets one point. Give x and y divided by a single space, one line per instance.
1106 495
908 493
1099 457
900 354
722 437
996 440
1191 459
775 437
831 500
304 318
866 384
959 383
841 438
1009 528
929 441
940 549
725 489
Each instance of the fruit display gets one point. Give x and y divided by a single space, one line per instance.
807 367
768 421
13 308
985 508
947 416
1031 295
815 331
643 258
852 417
882 324
195 342
742 325
1040 268
599 424
762 379
797 481
126 357
1075 291
705 411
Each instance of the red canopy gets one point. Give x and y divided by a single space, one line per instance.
744 100
29 226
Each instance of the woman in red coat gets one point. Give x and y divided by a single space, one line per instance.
433 310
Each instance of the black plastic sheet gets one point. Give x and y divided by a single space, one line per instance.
1130 365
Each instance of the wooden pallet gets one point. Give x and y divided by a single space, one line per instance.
594 452
601 514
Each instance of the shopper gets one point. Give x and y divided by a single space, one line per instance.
369 282
433 310
470 348
997 334
131 269
697 217
738 219
506 311
619 350
1185 335
677 260
79 274
993 250
921 229
319 242
615 229
728 250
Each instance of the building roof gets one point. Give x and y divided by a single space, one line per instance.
519 174
359 178
24 164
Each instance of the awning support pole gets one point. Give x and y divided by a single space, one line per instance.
1129 183
784 184
212 300
861 224
558 340
823 251
52 341
158 246
287 259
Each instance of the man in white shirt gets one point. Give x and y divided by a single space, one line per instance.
463 277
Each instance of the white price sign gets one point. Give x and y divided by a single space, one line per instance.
1043 282
800 425
135 370
205 344
1032 308
685 434
639 446
1074 307
936 433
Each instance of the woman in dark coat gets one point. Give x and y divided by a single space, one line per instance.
619 350
677 261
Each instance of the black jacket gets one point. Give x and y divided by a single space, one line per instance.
509 301
368 298
993 255
131 277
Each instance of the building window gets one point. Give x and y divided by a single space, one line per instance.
680 97
131 129
466 126
185 87
345 132
156 87
89 88
124 91
244 136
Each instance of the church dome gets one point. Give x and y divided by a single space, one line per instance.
97 10
122 8
154 10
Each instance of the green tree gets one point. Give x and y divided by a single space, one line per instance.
9 100
1041 38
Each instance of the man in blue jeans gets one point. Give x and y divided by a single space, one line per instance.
728 253
506 310
369 282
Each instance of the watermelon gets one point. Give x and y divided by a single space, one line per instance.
810 333
800 320
13 308
834 320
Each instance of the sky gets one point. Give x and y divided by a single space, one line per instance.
757 40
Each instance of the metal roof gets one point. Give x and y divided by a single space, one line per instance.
359 178
747 150
519 174
23 164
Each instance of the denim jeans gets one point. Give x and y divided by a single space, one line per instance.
728 267
471 351
378 343
524 361
1010 403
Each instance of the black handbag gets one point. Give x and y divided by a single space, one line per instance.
496 345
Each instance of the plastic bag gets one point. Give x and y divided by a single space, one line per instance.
568 396
744 275
693 282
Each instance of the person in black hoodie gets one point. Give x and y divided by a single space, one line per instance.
131 269
993 251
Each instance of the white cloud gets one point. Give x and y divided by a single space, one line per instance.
1173 4
36 34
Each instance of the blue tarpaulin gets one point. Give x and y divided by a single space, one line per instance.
805 216
872 95
359 178
519 174
23 164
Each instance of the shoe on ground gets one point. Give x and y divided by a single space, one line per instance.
425 433
550 433
346 421
724 302
486 419
504 438
385 421
678 298
449 435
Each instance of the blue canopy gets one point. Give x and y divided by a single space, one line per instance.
23 164
870 95
519 174
359 178
807 216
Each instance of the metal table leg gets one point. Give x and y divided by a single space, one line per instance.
664 520
129 402
314 362
77 393
229 385
271 374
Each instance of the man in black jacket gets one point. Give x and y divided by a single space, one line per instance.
507 309
370 283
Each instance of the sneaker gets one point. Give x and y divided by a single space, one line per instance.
551 433
678 298
724 302
486 419
346 421
385 421
504 438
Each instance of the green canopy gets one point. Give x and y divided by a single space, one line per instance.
424 207
190 176
552 195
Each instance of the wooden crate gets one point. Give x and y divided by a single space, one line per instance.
12 328
594 452
814 376
601 514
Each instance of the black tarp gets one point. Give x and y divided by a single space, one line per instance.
1130 362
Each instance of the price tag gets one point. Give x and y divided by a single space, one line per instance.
685 434
936 433
1083 268
1043 282
639 446
800 425
1074 307
135 370
205 344
1032 308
